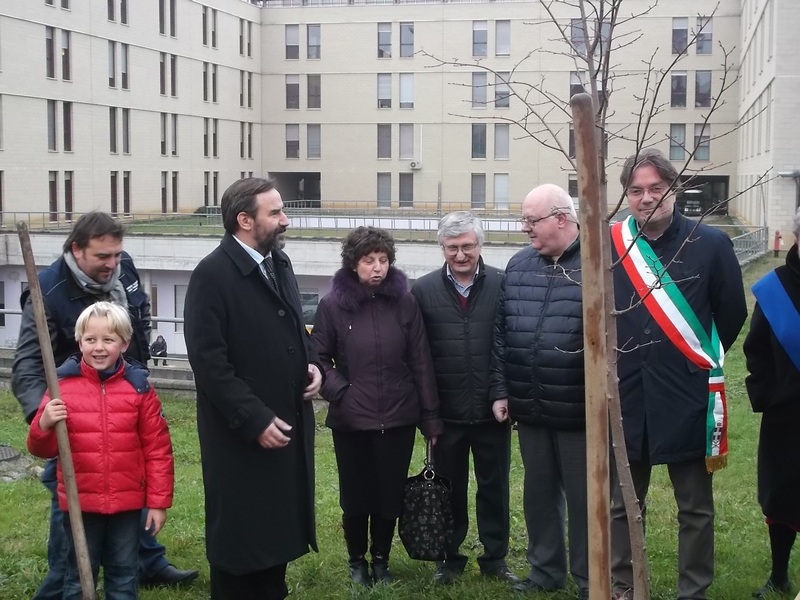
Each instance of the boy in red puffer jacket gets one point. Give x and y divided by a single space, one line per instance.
120 447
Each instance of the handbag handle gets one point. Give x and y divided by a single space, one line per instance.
428 473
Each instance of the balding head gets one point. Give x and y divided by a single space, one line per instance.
549 220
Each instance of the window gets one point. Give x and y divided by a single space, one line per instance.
571 145
501 145
164 134
215 182
249 39
206 186
704 35
384 190
126 192
162 18
164 190
384 40
241 88
52 126
173 75
406 90
111 16
677 141
53 193
406 140
313 141
112 129
702 141
502 93
501 191
479 84
174 191
577 82
314 86
123 12
292 91
479 140
479 38
292 141
406 39
67 116
163 73
68 203
249 90
249 140
112 64
313 48
206 73
577 36
180 301
214 83
205 28
123 67
49 2
174 135
478 190
126 131
406 190
702 89
241 36
213 27
572 188
292 42
50 51
680 34
678 89
66 72
384 140
502 38
241 139
173 31
206 123
384 90
114 191
214 132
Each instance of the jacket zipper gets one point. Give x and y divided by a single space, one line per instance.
104 424
539 324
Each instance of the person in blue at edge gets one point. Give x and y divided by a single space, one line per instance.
92 268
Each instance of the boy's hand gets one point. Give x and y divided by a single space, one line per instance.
54 411
156 517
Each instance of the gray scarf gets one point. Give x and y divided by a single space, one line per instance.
113 290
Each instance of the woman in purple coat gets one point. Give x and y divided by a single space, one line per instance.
380 385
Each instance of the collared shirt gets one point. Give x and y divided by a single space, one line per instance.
461 288
254 254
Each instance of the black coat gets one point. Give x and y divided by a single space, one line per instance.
665 396
774 388
250 353
378 368
538 341
461 341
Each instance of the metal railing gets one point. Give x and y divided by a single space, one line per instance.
751 245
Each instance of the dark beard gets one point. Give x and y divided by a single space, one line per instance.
271 242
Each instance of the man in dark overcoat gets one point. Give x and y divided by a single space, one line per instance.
256 373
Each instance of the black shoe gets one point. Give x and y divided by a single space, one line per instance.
359 571
380 569
169 575
771 586
445 576
502 573
529 585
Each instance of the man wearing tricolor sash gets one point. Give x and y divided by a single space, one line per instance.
678 288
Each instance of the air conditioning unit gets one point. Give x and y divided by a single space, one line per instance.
415 165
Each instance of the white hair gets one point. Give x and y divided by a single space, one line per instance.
458 223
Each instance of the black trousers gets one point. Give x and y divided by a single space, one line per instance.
490 444
268 584
373 467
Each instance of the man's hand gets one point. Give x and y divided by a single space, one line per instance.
272 437
156 517
314 382
53 412
500 410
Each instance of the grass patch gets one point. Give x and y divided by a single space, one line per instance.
742 550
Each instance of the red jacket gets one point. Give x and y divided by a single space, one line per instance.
119 439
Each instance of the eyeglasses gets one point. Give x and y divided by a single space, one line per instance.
465 248
532 222
656 191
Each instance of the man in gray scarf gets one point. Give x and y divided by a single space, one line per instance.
93 267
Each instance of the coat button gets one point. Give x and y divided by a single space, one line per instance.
281 313
647 331
290 349
644 364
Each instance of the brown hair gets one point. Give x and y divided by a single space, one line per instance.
94 224
240 197
365 240
654 158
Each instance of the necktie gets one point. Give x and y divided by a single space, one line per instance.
269 269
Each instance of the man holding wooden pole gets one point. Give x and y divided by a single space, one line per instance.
92 268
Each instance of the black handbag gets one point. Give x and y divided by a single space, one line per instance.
426 524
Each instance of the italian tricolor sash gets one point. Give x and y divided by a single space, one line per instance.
667 305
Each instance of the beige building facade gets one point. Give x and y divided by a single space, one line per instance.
156 106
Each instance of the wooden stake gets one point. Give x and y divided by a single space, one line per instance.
595 351
64 452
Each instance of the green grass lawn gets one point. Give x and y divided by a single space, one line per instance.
742 551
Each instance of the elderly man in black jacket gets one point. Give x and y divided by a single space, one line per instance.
537 376
459 304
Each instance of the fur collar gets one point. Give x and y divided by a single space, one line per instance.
350 294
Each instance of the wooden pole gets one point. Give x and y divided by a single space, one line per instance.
595 350
64 452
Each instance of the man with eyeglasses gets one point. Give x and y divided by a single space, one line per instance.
681 304
538 380
458 305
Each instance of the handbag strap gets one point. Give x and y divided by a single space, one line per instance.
428 473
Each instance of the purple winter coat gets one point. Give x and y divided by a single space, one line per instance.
378 367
